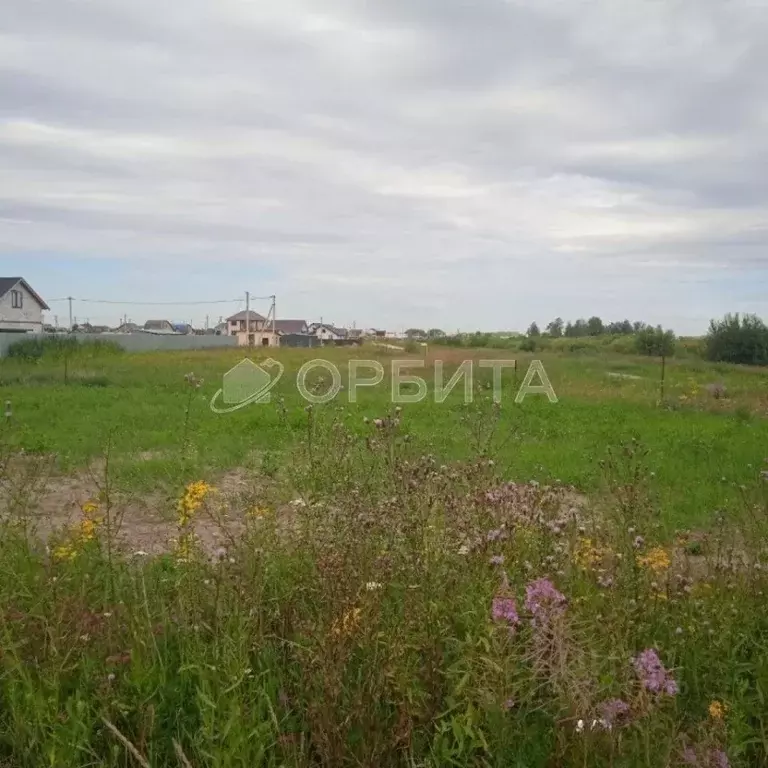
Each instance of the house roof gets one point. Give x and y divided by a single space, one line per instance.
332 328
156 325
290 326
6 283
242 316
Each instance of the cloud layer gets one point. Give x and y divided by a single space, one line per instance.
414 162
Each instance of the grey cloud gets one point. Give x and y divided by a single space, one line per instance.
419 135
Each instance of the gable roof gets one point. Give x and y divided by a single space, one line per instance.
6 283
157 325
328 327
290 326
255 316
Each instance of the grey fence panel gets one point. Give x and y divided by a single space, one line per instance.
134 342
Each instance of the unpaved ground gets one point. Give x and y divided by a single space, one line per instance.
146 523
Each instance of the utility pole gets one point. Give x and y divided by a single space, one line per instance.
56 321
69 299
248 318
274 317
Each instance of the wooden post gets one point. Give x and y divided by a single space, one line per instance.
661 383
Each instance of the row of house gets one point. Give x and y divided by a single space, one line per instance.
21 310
252 329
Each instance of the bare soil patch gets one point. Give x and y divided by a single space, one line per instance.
49 503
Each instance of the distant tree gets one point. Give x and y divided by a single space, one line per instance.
479 339
569 331
655 341
580 328
638 326
619 328
533 330
738 339
595 326
435 333
415 333
555 328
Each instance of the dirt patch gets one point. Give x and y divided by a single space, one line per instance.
146 523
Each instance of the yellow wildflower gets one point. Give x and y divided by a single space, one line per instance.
587 555
258 513
90 508
191 500
717 710
657 560
64 552
348 622
88 530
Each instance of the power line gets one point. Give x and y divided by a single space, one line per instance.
159 303
151 303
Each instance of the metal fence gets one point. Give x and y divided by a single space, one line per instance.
133 342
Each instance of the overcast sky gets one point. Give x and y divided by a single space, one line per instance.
451 163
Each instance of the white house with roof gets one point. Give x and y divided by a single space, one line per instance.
327 332
21 308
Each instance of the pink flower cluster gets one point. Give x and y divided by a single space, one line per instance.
504 609
544 601
712 758
613 711
653 675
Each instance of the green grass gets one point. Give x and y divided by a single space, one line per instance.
701 450
358 628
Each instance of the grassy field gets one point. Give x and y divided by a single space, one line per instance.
701 449
534 584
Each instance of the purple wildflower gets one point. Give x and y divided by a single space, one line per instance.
543 600
638 542
652 673
689 756
497 560
496 535
613 709
509 703
505 609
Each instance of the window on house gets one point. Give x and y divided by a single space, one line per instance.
17 299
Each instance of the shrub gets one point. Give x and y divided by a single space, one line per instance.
738 339
655 341
37 347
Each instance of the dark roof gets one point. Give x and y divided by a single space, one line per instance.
242 316
6 283
290 326
332 328
155 325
